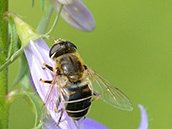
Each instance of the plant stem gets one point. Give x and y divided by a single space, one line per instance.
4 73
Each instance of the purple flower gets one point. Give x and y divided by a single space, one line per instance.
88 124
144 119
75 13
37 53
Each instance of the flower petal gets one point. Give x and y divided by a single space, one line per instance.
88 124
144 119
77 15
37 53
92 124
64 124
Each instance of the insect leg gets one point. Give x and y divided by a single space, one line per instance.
46 81
98 96
46 66
61 113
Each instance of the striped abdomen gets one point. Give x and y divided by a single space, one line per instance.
79 101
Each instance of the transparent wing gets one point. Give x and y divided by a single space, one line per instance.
109 93
53 93
51 99
45 116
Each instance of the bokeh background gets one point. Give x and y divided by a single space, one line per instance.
131 47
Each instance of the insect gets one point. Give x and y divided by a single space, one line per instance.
77 85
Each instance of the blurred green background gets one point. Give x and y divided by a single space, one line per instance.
131 47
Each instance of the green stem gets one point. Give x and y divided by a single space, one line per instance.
55 21
4 73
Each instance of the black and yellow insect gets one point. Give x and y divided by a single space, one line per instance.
78 85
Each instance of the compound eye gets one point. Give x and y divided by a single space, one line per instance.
61 48
71 45
54 49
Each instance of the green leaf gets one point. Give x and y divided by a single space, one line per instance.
14 45
23 69
12 59
36 107
30 98
25 32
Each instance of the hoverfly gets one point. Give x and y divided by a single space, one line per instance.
77 85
